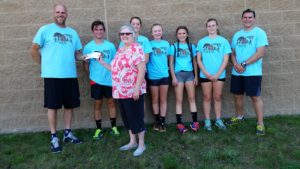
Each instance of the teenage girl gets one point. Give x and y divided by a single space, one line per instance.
212 56
158 75
183 69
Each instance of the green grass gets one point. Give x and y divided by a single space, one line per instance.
236 148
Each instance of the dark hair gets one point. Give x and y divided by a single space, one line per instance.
156 24
248 11
97 23
135 17
213 19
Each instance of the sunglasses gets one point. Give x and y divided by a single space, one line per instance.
125 33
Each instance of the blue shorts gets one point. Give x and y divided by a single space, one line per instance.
185 76
249 84
158 82
132 113
99 91
61 92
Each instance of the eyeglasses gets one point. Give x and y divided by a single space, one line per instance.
125 33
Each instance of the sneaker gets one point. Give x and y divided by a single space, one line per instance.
181 128
162 128
156 127
71 138
114 131
260 130
139 151
98 134
195 126
235 120
55 147
219 123
207 125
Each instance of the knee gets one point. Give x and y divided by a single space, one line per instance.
111 103
218 98
256 99
206 98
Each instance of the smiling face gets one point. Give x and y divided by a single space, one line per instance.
182 35
126 36
98 32
157 32
212 27
248 20
136 25
60 15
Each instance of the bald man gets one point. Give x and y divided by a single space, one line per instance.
55 47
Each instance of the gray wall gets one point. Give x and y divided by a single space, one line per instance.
21 88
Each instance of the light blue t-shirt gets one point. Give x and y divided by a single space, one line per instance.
57 46
157 67
183 61
98 73
212 54
144 42
245 45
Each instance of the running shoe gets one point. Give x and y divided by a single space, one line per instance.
181 128
207 125
195 126
219 123
260 130
114 131
54 145
71 138
235 120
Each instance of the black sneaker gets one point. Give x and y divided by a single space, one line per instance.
71 138
54 145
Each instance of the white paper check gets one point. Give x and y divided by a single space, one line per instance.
94 55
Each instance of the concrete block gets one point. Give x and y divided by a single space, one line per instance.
12 6
273 17
291 16
282 4
290 41
232 6
258 5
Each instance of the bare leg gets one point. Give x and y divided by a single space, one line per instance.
190 88
239 104
97 109
132 139
179 95
68 114
154 97
52 119
163 94
112 108
217 92
258 107
141 136
207 92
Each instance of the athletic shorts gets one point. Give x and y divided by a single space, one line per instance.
158 82
185 76
60 92
132 113
99 91
203 80
249 84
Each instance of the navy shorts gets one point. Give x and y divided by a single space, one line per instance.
204 80
132 113
99 91
158 82
185 76
249 84
61 92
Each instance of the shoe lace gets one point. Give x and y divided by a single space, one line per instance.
54 142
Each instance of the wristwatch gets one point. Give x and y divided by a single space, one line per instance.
244 64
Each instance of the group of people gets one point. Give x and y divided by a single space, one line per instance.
119 74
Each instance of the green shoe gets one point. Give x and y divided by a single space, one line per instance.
219 123
234 121
260 130
114 131
98 134
207 125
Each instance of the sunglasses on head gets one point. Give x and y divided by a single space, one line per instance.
125 33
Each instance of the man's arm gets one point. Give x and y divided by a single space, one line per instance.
35 53
260 52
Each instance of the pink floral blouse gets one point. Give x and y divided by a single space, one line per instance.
124 71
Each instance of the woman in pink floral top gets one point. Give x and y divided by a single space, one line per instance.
128 87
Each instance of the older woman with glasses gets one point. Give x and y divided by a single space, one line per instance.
128 87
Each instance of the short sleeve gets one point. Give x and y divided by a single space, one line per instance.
138 55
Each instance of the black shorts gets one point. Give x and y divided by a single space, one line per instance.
249 84
158 82
61 92
203 80
132 113
99 91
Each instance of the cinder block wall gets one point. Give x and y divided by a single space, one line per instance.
21 88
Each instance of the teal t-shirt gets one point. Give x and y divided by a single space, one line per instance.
98 73
57 46
183 61
157 67
245 45
144 42
212 52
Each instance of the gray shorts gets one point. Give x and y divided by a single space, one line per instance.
185 76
